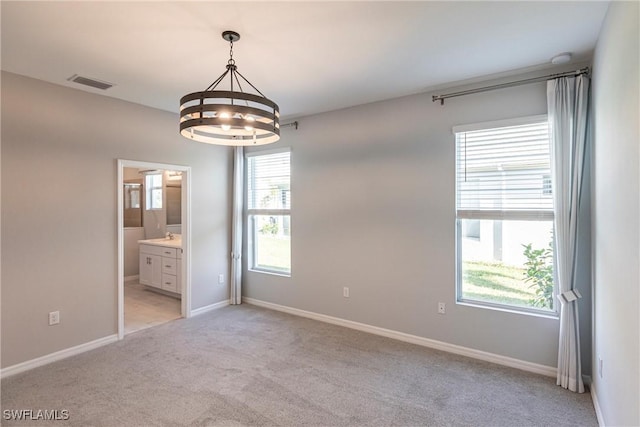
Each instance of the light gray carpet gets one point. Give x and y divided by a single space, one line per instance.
244 365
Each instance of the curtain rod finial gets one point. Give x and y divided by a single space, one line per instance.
435 98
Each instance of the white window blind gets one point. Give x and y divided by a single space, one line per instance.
269 212
269 187
503 172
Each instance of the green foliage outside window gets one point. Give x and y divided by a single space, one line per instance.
539 274
270 228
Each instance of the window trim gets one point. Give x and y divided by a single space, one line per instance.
499 215
249 213
252 251
553 313
517 121
258 153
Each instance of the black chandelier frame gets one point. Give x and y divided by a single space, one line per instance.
230 117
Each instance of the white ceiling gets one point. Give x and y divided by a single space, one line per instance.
309 57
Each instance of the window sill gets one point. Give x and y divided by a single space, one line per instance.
554 315
272 273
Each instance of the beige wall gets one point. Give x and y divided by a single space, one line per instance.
131 173
59 245
373 209
131 236
616 216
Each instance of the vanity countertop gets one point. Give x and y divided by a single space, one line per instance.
163 241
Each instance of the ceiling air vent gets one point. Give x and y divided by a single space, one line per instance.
90 82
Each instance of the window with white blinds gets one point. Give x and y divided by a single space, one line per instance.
269 187
504 215
504 172
269 212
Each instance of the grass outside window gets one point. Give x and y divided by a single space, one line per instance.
496 283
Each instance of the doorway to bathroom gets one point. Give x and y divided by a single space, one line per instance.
153 244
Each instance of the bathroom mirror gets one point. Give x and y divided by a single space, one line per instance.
153 201
133 204
173 197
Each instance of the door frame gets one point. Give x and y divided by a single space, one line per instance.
186 234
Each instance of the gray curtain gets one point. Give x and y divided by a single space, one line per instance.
567 102
237 226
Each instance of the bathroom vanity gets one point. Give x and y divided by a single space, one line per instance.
161 264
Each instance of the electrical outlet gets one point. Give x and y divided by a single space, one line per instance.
221 278
442 308
345 292
54 318
600 366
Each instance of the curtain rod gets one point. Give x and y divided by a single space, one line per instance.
441 98
288 125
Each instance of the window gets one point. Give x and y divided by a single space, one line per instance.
504 215
153 182
269 212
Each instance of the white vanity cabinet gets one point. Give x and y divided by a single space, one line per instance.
151 265
169 269
179 271
160 266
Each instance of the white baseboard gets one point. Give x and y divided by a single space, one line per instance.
58 355
413 339
596 405
131 278
208 308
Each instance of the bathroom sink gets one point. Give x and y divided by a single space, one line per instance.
176 242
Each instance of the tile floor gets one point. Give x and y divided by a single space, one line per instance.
144 309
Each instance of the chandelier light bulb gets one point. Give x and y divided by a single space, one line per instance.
249 126
225 126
